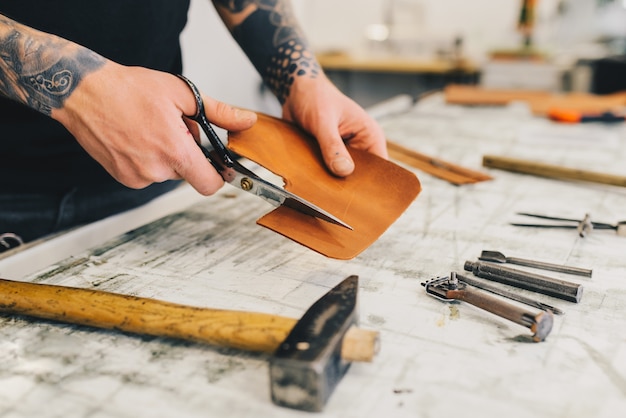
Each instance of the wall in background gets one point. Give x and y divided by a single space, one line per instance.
217 65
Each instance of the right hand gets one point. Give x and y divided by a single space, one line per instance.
131 120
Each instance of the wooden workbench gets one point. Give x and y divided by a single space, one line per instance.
372 78
437 359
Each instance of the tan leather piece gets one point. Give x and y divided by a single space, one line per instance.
369 200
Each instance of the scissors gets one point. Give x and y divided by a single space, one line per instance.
239 176
584 226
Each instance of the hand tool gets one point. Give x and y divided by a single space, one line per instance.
310 355
509 295
239 176
573 116
583 226
450 288
498 257
551 171
536 282
452 173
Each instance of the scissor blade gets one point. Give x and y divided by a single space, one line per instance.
244 179
241 177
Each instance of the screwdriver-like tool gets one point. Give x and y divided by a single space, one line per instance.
450 288
509 295
530 281
498 257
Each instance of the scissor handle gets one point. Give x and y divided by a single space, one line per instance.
226 159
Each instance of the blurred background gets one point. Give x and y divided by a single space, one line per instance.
376 49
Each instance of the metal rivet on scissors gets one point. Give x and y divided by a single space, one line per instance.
239 176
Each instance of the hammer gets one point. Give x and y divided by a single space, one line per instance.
310 355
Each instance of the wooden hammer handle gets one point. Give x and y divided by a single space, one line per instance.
224 328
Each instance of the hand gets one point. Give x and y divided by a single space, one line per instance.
334 120
131 120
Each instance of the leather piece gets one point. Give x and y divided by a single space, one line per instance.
369 200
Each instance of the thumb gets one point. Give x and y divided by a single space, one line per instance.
335 153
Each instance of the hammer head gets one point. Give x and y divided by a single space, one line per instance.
307 366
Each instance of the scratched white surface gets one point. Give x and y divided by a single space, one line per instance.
437 360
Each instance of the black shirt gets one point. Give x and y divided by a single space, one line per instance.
36 152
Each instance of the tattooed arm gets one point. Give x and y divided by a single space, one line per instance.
269 34
39 70
129 119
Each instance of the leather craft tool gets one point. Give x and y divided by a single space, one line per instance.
572 116
583 226
551 171
450 288
310 355
498 257
452 173
509 295
239 176
525 280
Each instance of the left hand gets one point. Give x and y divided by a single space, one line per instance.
335 120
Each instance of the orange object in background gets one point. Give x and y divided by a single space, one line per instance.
573 116
539 102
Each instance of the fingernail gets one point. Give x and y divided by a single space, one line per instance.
244 114
342 166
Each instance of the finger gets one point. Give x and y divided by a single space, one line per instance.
226 116
196 169
335 153
193 128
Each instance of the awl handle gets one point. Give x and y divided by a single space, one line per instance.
248 331
540 323
450 288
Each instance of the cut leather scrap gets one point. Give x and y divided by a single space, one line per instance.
369 200
437 167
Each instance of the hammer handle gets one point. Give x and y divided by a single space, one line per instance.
247 331
224 328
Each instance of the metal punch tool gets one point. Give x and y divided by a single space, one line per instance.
498 257
583 226
235 174
450 288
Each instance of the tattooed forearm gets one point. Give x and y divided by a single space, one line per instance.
268 33
38 69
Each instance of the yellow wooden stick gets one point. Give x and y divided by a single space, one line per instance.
551 171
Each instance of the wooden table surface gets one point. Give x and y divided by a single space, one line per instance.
436 359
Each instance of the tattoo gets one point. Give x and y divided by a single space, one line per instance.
38 69
273 40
